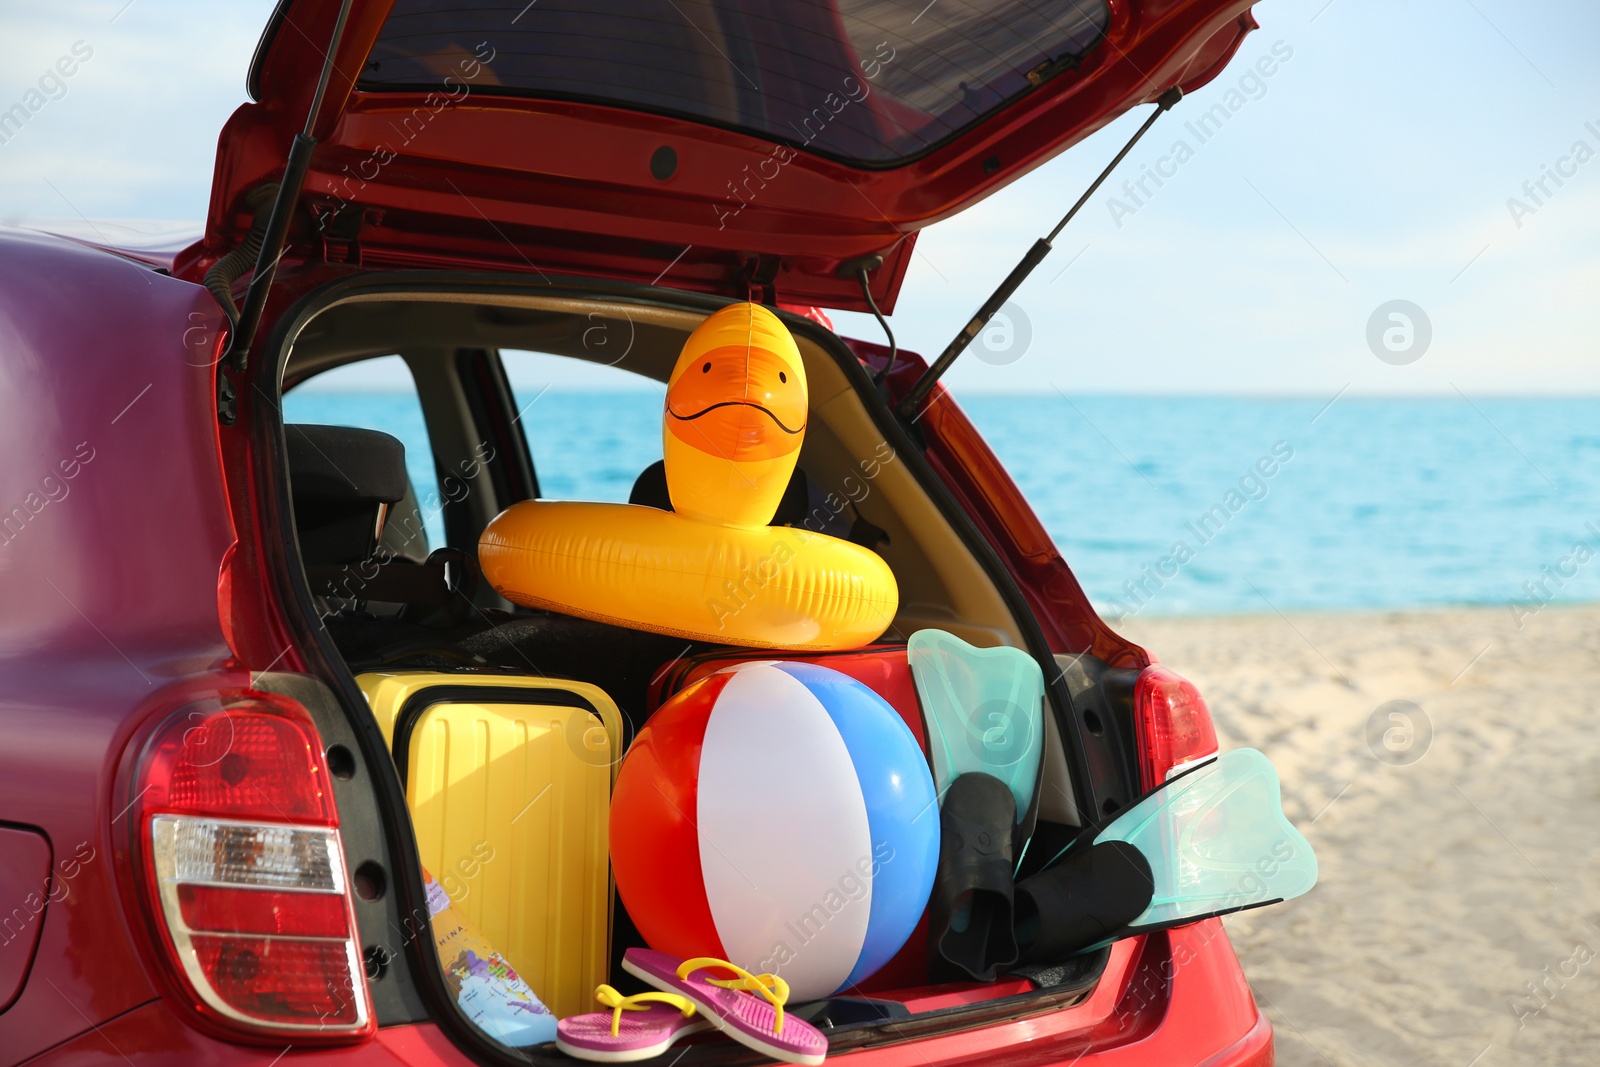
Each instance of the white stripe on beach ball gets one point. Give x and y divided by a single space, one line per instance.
782 820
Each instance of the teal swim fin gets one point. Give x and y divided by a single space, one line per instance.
984 709
1217 842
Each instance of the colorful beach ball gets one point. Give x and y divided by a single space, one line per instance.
781 816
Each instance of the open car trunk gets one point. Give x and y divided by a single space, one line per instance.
468 691
515 176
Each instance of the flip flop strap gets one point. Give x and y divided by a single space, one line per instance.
770 986
638 1002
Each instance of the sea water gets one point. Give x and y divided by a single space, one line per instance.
1198 505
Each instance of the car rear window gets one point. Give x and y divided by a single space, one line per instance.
866 82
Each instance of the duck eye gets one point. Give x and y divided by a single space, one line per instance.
782 377
706 369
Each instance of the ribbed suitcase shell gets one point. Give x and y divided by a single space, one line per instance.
509 783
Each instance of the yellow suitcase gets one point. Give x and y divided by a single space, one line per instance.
509 784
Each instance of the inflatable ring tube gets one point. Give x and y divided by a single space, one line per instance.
639 567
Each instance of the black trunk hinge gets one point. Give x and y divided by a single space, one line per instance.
339 227
760 278
227 397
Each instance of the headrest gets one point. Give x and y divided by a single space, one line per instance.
342 481
650 489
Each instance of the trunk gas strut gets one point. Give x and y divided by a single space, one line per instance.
910 405
277 227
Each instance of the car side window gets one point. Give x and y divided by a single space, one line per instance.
380 394
591 429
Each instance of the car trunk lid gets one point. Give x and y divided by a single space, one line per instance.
742 147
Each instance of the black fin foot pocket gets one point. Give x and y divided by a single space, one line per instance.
1090 896
969 918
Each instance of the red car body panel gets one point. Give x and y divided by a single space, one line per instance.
501 182
108 592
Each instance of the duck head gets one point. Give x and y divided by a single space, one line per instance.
735 418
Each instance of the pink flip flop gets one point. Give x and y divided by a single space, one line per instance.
748 1008
652 1023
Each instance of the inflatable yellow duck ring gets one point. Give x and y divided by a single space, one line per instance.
712 569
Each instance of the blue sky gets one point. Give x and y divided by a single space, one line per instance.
1374 164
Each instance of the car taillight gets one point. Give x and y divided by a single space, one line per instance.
1173 723
245 874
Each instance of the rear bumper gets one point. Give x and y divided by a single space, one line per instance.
152 1034
1167 1000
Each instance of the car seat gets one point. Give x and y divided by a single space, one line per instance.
365 551
342 482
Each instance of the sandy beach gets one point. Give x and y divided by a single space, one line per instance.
1457 917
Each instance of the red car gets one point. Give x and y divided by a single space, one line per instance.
445 181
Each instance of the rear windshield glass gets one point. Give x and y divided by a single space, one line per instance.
873 82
